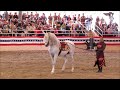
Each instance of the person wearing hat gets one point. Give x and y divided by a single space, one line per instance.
100 54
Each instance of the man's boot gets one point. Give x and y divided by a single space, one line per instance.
95 63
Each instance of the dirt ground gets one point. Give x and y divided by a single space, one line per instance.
32 63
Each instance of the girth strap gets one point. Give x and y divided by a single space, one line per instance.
60 50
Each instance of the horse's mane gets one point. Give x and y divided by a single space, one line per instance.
53 39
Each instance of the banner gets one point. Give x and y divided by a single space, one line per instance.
6 41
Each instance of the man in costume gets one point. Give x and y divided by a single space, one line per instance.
100 54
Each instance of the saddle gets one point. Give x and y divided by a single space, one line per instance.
64 46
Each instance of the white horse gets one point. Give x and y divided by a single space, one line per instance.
54 46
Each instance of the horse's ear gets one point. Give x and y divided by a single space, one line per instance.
48 31
43 32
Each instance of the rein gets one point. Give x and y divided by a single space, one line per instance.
80 48
88 52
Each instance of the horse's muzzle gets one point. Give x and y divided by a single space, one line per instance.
46 44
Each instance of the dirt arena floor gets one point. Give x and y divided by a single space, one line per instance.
33 62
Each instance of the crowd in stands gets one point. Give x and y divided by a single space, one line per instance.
34 23
110 29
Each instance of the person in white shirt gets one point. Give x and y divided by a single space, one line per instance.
111 18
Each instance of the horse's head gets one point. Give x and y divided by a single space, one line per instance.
50 39
46 39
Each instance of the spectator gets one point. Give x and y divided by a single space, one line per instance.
87 22
20 29
68 18
43 17
15 21
78 17
30 29
75 18
97 21
90 22
6 15
27 15
3 16
105 29
13 28
83 19
59 18
102 23
36 16
111 17
55 18
63 28
31 16
73 30
15 16
50 20
24 16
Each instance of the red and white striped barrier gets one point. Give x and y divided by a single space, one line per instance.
40 40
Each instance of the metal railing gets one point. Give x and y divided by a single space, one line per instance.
98 30
112 34
103 33
57 32
85 28
41 32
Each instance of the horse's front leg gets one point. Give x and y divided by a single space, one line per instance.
52 59
53 63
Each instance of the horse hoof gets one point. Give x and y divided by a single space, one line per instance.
52 72
62 70
72 70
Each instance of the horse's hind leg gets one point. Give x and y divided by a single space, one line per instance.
63 67
72 70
